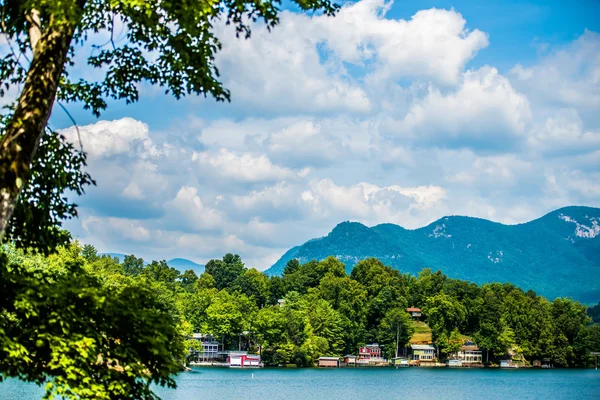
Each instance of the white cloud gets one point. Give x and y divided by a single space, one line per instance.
563 133
568 77
244 167
187 212
485 111
284 71
108 138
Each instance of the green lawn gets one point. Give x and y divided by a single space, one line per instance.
422 334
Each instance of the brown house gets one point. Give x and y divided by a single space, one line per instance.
329 362
414 312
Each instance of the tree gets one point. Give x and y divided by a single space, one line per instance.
61 325
444 315
89 252
253 284
225 271
170 44
188 279
395 330
132 265
161 272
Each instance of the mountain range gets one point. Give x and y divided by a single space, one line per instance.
180 264
557 255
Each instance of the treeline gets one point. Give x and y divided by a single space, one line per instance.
327 312
317 309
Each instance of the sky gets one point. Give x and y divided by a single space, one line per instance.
398 113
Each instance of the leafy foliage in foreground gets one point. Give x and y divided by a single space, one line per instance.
88 334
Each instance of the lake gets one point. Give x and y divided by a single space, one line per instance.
366 383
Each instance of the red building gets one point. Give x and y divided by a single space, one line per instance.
369 352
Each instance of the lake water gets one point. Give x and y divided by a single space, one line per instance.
365 383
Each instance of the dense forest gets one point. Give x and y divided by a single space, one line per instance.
325 311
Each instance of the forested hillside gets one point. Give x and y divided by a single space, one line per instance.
556 255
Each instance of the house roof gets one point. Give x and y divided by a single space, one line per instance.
470 347
329 358
422 347
413 309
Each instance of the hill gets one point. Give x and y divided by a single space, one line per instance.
183 264
180 264
555 255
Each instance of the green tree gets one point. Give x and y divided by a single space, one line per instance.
89 252
444 314
253 284
188 279
63 326
395 331
225 271
159 271
132 265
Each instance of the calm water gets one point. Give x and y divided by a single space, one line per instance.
367 383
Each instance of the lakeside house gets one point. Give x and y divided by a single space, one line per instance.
243 359
350 359
422 352
328 362
470 354
370 354
211 348
414 312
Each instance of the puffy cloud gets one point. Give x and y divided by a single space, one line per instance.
186 212
434 44
568 77
562 134
244 167
485 111
108 138
285 70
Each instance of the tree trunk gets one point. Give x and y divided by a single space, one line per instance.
26 127
397 340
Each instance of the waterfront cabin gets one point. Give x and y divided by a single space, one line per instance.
211 348
414 312
470 354
350 359
399 362
242 359
329 362
369 352
422 352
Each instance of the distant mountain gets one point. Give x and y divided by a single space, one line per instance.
183 264
180 264
555 255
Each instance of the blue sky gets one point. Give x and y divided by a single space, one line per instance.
399 113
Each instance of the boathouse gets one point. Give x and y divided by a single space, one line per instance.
350 359
239 359
329 362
